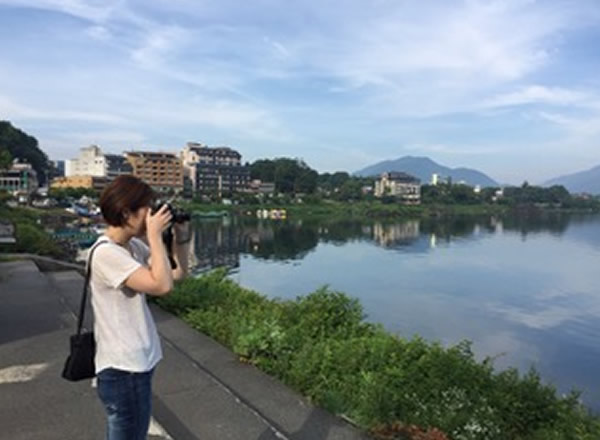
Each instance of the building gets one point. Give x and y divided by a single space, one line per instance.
58 168
97 183
437 179
162 171
401 185
90 162
20 178
259 187
116 165
214 170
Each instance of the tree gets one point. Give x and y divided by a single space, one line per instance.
22 146
289 175
5 158
263 169
351 189
306 182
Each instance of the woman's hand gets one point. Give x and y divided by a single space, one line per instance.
158 222
182 232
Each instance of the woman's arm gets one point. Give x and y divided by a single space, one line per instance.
158 279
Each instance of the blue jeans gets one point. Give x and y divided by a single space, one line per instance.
127 400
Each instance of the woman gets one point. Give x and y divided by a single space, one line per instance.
124 270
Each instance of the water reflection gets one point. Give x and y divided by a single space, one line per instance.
219 243
522 288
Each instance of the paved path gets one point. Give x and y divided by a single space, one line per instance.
201 391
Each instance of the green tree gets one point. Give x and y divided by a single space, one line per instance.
5 158
263 169
351 189
286 172
22 146
306 182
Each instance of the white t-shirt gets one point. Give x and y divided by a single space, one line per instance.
126 336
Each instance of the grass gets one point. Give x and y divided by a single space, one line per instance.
393 387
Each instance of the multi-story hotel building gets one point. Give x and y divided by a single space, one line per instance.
401 185
92 162
20 178
162 171
214 170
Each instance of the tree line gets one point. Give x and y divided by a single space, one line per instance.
294 176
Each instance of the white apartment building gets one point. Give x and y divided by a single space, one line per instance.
90 162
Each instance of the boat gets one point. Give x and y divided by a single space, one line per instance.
209 214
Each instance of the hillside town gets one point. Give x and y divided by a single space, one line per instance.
197 170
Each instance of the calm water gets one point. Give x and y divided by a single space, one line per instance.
525 290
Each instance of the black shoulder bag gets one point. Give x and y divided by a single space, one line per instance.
80 363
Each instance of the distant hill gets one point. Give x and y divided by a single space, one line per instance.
582 182
423 168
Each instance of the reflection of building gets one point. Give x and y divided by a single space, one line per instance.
216 245
20 177
215 170
398 233
162 171
401 185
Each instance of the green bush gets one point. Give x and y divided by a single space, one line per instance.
320 345
29 235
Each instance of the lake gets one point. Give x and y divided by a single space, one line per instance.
524 289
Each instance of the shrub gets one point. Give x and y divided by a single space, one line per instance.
397 388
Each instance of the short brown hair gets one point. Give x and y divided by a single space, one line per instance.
125 193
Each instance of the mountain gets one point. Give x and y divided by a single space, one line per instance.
582 182
423 168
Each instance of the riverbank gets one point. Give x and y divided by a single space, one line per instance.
364 209
320 345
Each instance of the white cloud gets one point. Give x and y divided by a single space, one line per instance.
9 108
99 33
537 94
158 45
452 149
95 11
265 72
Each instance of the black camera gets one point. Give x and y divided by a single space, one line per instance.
177 216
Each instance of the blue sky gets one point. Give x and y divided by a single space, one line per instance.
506 86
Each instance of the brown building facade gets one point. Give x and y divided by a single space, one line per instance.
162 171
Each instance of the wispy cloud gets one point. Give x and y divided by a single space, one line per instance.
278 76
429 149
88 10
537 94
15 110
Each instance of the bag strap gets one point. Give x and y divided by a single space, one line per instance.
86 283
